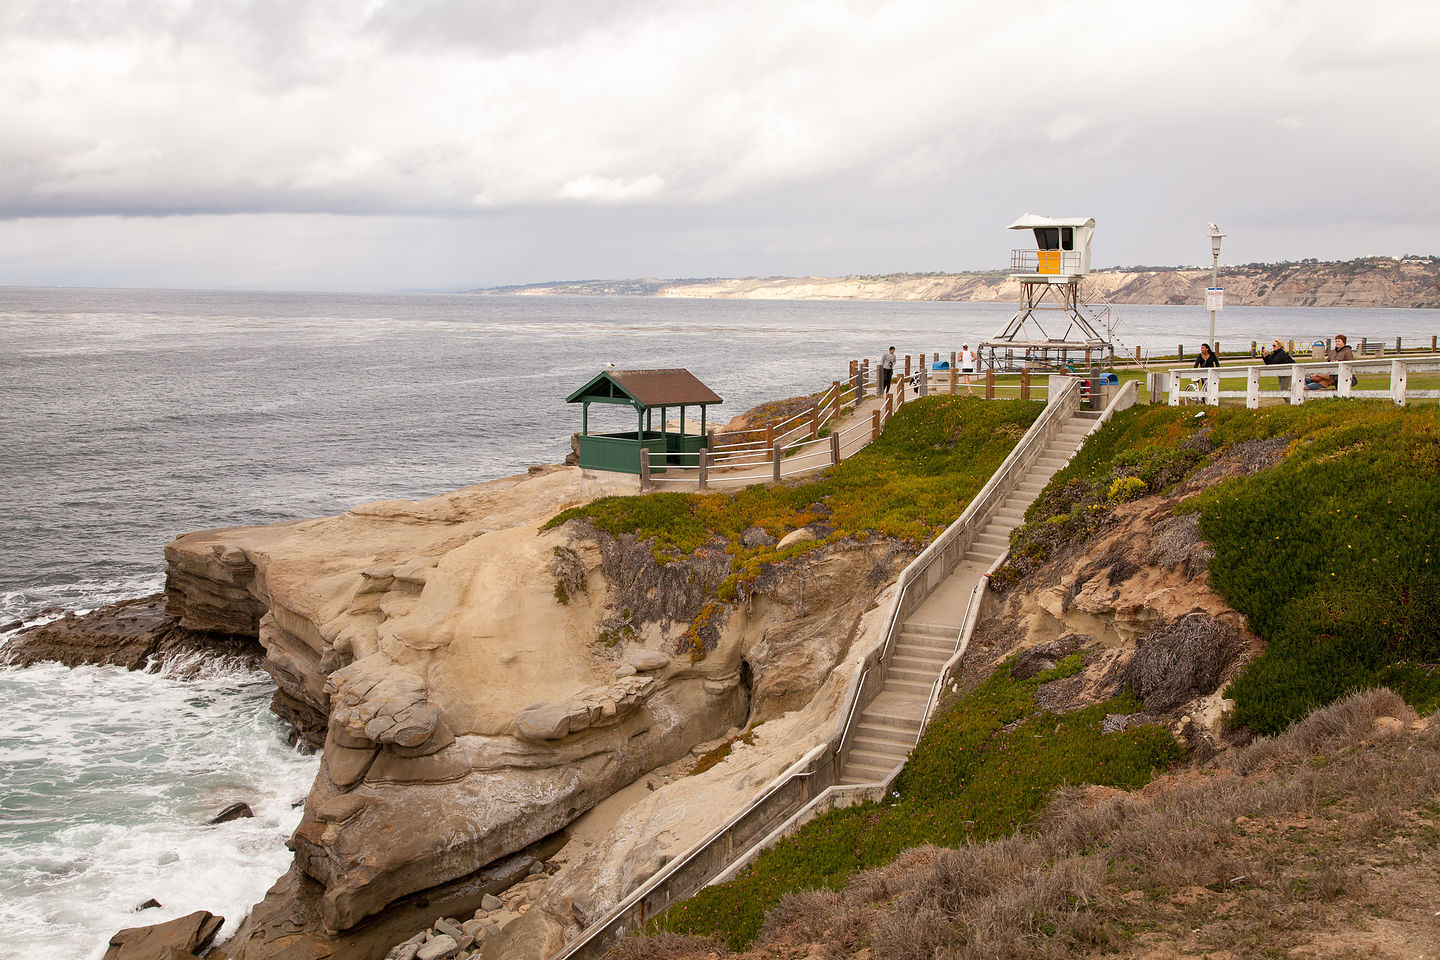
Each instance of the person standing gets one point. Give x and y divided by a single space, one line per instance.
887 369
968 364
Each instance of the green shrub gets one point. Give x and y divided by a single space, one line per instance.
1125 489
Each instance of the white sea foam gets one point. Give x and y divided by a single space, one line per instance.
111 777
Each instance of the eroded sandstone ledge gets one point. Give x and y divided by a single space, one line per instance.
466 712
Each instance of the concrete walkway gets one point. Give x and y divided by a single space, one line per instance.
889 727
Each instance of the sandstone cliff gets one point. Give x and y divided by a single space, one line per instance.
479 683
1369 282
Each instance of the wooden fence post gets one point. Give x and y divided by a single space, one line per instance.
859 390
1397 344
814 422
990 384
775 455
1025 381
907 364
769 438
834 449
1087 360
1252 350
854 367
875 425
924 380
1180 352
954 376
1215 349
644 469
704 466
1137 354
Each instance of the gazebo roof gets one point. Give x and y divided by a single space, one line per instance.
646 388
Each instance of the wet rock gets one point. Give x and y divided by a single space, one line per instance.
189 934
236 811
148 905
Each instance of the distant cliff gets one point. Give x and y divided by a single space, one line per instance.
1367 282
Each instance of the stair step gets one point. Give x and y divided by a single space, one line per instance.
923 677
875 731
975 556
879 761
912 659
912 646
865 773
992 540
873 717
908 687
928 629
888 748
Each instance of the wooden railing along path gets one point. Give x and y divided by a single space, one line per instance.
819 769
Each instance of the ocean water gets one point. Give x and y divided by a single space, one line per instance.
128 417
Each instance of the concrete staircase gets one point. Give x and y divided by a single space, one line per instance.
890 725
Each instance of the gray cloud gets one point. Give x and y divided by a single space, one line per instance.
658 137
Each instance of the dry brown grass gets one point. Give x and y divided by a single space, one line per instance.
1321 842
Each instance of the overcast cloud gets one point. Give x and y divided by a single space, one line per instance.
363 144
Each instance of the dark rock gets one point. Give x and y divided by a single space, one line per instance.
132 634
236 811
148 904
756 537
174 938
12 626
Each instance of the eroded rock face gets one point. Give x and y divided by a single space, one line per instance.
475 695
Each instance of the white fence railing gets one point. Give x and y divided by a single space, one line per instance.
1205 385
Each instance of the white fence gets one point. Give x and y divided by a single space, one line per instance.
1205 385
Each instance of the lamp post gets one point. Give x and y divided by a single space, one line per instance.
1215 237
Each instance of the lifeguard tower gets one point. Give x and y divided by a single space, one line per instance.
1053 328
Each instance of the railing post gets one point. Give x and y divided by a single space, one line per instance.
859 391
1180 352
1342 377
990 384
1252 387
875 425
907 363
1397 344
644 469
1397 381
1137 354
889 405
924 380
834 449
954 376
1212 387
776 457
1173 388
704 466
814 422
1025 378
770 437
854 368
1297 384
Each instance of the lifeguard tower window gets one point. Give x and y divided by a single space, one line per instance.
1055 238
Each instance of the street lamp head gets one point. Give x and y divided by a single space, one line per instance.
1215 237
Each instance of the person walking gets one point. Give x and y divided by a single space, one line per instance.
887 369
968 364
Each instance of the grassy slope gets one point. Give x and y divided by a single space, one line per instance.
1332 554
982 768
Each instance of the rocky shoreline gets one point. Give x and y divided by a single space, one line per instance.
485 742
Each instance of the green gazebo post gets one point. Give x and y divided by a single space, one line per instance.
644 391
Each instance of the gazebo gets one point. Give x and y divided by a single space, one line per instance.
644 391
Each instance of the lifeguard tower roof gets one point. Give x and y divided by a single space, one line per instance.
1030 220
1062 248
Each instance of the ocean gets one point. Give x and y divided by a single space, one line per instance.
128 417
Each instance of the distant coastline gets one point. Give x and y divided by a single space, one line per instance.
1366 282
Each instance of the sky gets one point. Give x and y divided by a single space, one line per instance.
451 144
